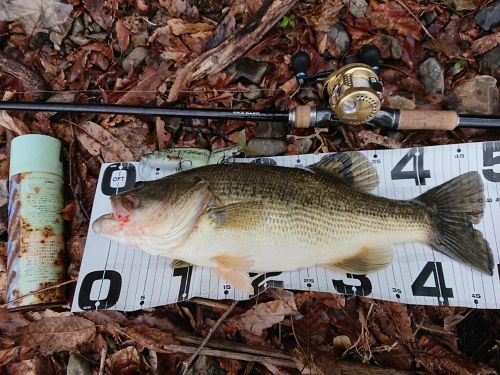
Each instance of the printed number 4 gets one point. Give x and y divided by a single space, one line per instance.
418 173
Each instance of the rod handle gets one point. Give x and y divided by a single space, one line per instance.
427 120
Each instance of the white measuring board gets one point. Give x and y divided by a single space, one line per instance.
113 276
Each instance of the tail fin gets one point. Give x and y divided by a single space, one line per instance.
458 204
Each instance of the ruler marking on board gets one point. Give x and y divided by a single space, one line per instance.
465 283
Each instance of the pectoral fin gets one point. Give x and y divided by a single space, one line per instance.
243 215
365 261
239 279
177 263
232 262
351 168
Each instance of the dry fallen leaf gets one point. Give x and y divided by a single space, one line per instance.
50 335
98 141
8 355
179 27
149 337
32 14
13 123
125 361
263 316
484 44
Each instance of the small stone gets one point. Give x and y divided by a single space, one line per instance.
342 342
400 102
464 5
38 40
432 75
490 63
488 17
77 26
254 92
266 147
304 144
77 365
397 136
357 8
339 34
271 130
134 58
478 95
251 70
429 17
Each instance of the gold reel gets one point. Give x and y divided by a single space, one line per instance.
355 93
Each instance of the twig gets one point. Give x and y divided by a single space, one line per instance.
415 17
38 291
209 303
210 333
104 351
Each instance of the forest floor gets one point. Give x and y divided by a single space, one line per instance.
237 54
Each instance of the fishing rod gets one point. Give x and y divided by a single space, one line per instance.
354 94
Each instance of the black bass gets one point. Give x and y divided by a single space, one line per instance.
240 218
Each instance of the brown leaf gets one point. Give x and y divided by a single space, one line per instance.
101 12
310 328
135 135
122 34
484 44
164 137
393 16
3 272
263 316
50 335
322 15
442 45
98 141
11 322
8 355
149 337
232 366
13 123
68 212
125 361
333 300
437 359
145 91
367 137
179 27
35 366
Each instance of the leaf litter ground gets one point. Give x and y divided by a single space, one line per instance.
236 54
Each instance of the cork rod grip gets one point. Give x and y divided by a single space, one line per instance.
427 120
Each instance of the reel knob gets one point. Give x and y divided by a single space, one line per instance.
370 55
300 63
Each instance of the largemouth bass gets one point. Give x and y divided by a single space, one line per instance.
241 218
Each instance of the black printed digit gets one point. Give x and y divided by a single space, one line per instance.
439 290
490 160
118 178
185 274
364 289
418 173
103 302
266 161
262 282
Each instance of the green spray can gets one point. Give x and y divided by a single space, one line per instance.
35 252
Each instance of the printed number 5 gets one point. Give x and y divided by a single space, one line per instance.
489 160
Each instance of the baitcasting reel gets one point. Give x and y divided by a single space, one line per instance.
354 91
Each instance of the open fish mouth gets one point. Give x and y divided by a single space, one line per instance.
103 224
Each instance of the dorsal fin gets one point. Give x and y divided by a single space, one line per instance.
350 167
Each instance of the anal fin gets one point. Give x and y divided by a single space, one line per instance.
239 279
366 260
232 262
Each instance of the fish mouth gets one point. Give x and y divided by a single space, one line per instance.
104 223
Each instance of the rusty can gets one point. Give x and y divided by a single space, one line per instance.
35 252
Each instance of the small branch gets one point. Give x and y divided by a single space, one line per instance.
210 333
38 291
415 17
104 351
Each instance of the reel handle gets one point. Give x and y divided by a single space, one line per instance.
300 63
370 55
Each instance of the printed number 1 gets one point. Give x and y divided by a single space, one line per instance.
418 173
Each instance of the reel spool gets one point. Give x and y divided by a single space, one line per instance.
354 93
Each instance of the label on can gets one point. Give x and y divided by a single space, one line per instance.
35 253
